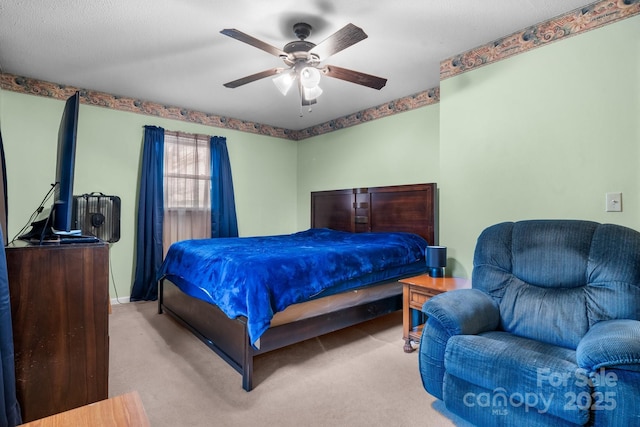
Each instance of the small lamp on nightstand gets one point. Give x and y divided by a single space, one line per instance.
436 257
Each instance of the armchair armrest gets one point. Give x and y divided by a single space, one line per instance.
463 311
611 343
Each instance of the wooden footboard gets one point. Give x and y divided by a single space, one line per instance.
229 337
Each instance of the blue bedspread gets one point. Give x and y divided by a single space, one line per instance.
256 277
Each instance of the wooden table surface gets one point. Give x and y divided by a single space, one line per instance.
120 411
441 284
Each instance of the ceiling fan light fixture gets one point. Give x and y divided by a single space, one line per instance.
284 81
310 77
310 93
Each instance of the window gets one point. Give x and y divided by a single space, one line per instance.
187 187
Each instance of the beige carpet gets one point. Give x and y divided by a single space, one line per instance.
359 376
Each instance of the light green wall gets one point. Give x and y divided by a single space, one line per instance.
107 160
544 134
395 150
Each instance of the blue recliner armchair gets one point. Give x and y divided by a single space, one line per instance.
549 333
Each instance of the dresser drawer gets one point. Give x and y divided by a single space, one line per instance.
417 297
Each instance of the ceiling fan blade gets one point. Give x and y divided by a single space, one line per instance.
245 38
253 77
355 77
340 40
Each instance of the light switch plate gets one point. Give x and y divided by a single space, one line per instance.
614 202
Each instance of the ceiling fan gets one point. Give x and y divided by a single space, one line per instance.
303 59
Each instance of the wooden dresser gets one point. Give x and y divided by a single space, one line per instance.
59 306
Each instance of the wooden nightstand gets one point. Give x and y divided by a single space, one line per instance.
415 291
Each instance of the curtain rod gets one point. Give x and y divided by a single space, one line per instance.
186 134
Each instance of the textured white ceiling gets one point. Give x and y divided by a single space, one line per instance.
171 51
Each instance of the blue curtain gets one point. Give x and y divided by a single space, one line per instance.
150 214
223 206
9 408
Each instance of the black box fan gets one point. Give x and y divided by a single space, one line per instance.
97 215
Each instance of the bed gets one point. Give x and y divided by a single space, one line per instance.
401 209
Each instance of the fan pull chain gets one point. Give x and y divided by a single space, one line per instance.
301 105
300 92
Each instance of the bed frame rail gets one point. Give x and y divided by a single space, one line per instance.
230 340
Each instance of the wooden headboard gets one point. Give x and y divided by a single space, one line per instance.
408 208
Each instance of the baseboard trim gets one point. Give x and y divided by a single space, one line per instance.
120 300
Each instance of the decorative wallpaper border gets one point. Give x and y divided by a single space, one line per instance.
428 97
580 20
30 86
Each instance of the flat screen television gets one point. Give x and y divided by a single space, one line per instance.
62 210
56 225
